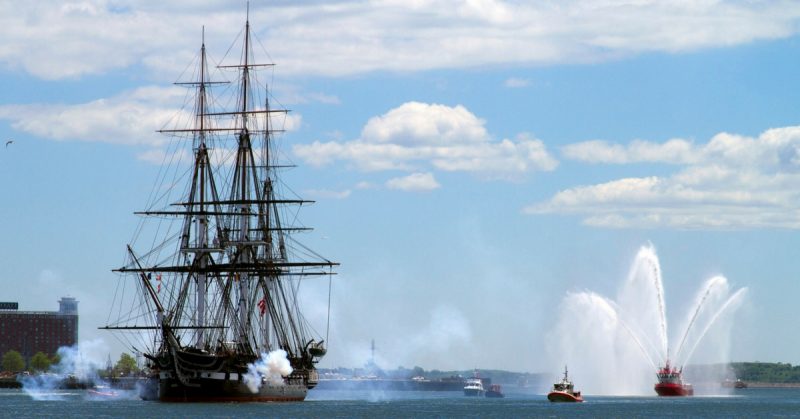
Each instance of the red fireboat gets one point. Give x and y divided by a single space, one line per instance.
670 382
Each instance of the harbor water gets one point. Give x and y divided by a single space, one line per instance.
752 402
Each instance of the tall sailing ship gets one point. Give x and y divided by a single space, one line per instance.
217 280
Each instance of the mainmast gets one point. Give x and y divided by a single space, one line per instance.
244 161
202 221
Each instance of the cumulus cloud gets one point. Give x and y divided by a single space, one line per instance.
417 136
328 193
291 94
131 118
365 185
731 182
416 123
675 151
54 39
415 182
516 83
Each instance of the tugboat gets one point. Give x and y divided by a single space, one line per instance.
495 391
474 386
670 382
564 391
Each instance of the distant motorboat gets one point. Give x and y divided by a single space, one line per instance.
734 384
495 391
474 386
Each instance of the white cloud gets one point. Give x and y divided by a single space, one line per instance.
417 136
130 118
160 156
731 182
290 94
329 194
365 185
774 148
675 151
415 182
52 39
415 123
516 83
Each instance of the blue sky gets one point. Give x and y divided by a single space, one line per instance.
472 162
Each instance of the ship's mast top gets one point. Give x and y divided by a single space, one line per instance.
246 68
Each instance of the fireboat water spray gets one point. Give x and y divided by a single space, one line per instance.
622 346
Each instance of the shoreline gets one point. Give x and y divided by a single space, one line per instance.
763 384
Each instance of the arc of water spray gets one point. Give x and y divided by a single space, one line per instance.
711 284
622 314
660 297
647 254
616 317
737 295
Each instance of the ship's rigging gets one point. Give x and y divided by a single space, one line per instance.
221 274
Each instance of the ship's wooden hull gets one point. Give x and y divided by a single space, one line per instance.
220 390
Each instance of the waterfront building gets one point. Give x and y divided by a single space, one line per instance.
29 332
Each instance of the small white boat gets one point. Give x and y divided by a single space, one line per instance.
474 386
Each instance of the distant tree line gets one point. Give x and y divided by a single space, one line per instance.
13 361
768 372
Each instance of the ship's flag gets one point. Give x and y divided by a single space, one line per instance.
262 306
158 278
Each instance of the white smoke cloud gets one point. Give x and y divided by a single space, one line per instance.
271 367
448 329
82 360
433 338
78 365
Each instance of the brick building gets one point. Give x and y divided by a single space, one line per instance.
29 332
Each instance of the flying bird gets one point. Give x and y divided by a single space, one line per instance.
9 142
